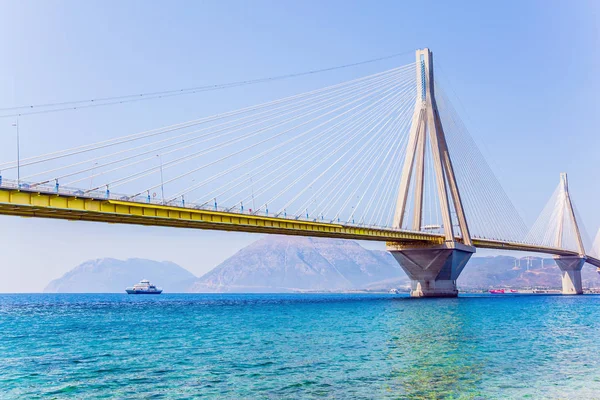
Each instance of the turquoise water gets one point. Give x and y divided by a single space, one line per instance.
299 346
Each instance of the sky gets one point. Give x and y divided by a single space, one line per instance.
524 73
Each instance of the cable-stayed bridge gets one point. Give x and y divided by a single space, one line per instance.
384 157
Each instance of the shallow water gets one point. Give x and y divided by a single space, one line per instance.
299 346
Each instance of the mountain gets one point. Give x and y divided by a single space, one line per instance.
299 264
483 272
108 275
286 264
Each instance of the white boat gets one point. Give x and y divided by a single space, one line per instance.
144 287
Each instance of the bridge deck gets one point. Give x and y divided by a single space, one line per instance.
28 203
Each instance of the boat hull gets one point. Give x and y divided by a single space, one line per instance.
143 292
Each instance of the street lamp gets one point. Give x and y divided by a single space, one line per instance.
252 189
16 124
162 188
92 176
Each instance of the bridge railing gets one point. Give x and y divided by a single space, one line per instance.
109 195
48 188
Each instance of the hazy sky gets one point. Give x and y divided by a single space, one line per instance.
525 73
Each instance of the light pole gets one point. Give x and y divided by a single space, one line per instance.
16 124
252 189
314 199
162 188
92 177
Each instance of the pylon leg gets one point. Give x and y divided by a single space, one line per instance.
570 268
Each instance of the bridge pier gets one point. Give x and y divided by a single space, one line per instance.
570 268
433 270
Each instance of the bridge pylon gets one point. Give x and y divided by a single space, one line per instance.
595 250
433 269
570 266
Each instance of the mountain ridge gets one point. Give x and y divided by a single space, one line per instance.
110 275
286 264
302 264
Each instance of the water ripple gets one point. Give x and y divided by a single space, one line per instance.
298 346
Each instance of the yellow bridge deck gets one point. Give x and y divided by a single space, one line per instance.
27 203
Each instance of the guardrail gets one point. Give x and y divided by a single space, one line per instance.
108 195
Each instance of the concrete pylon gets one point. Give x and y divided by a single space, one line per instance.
595 251
432 269
570 266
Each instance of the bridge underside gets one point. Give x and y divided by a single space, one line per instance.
59 206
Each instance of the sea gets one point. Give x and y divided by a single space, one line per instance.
298 346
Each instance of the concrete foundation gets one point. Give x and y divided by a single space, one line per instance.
433 270
570 268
